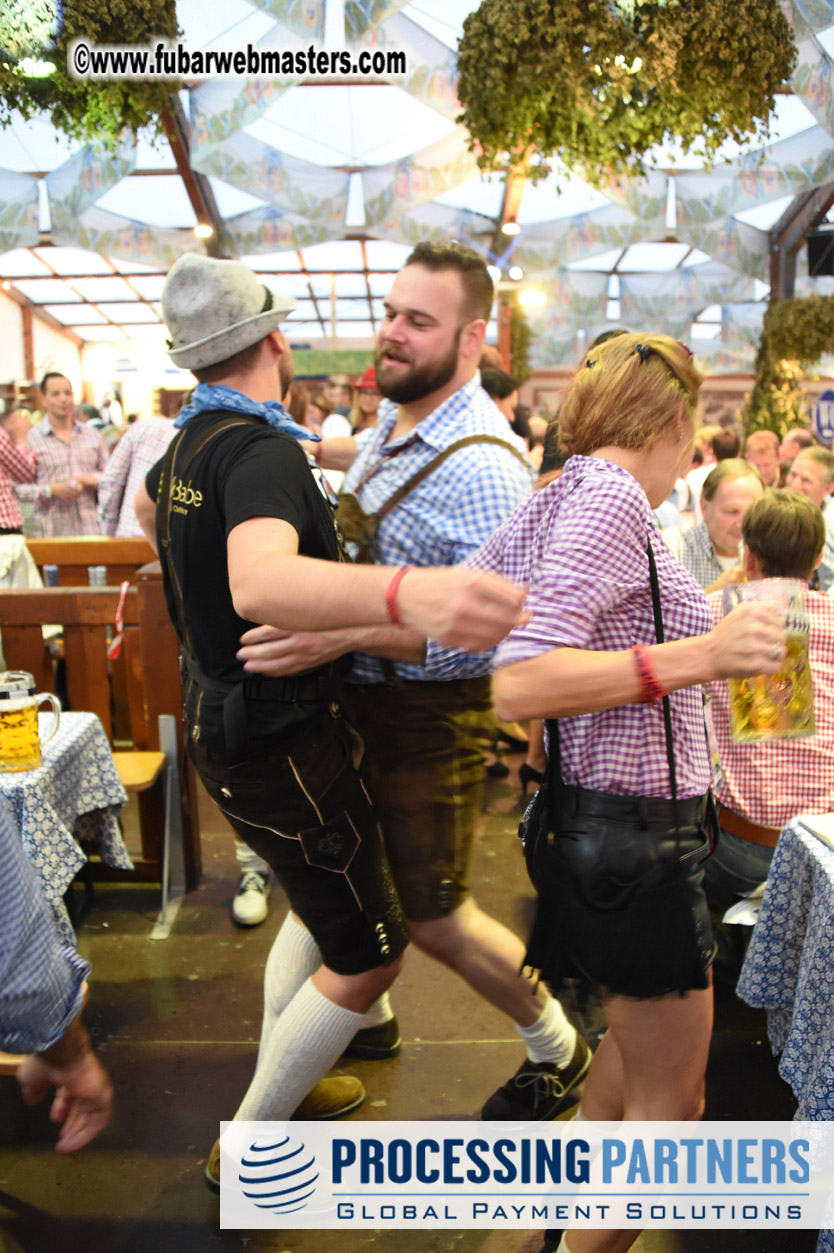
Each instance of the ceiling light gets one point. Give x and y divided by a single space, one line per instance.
516 272
6 285
511 228
532 298
203 231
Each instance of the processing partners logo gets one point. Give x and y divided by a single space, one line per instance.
278 1175
502 1176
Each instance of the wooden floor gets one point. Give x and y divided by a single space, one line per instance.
176 1023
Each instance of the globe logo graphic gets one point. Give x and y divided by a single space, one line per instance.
278 1175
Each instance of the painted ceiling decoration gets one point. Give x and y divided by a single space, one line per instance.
324 186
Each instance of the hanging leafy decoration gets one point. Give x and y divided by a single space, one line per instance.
83 110
599 83
795 334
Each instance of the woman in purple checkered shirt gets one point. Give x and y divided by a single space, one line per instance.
621 904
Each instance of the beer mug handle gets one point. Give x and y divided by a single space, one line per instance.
56 712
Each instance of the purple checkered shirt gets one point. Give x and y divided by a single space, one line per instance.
59 461
580 543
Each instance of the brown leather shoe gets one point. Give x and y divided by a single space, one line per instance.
213 1168
332 1097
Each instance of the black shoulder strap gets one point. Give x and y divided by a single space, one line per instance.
554 765
164 502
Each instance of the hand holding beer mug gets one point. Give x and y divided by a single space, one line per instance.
20 741
775 706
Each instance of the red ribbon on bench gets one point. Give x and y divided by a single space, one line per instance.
115 648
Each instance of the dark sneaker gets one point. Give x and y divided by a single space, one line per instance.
552 1240
376 1042
538 1090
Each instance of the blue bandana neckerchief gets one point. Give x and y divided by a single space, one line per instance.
207 396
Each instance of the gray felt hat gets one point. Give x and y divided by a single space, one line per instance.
214 309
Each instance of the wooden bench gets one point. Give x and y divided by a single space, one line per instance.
73 554
150 651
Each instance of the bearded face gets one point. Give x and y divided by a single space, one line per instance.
404 375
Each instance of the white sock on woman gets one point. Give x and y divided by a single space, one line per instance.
308 1037
551 1038
381 1011
294 956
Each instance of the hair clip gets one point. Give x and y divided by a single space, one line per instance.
588 364
643 351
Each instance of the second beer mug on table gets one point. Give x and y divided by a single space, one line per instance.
20 740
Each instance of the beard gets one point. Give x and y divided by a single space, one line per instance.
404 386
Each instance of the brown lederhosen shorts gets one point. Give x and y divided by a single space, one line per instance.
426 744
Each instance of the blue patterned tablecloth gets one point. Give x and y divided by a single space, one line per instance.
789 969
74 795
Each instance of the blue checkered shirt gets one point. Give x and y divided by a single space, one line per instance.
40 979
448 516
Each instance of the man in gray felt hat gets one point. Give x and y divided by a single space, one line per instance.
247 536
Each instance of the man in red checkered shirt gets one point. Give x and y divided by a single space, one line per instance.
761 786
17 465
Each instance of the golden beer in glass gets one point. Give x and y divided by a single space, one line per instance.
20 740
776 706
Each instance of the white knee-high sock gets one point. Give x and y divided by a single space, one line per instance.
294 956
551 1037
308 1037
381 1011
563 1246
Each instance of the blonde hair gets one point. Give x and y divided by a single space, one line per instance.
730 468
627 392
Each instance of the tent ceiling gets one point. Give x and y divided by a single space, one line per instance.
324 187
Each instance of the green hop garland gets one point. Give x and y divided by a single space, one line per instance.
599 83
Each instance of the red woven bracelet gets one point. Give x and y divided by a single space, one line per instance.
650 690
391 595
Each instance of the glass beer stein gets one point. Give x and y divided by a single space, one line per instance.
775 706
20 741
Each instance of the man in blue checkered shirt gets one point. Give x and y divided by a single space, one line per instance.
42 994
424 711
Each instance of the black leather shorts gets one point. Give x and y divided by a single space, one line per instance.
621 903
303 807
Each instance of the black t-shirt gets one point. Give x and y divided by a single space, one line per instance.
244 471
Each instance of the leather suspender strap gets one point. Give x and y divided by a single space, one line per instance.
165 501
431 466
236 694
